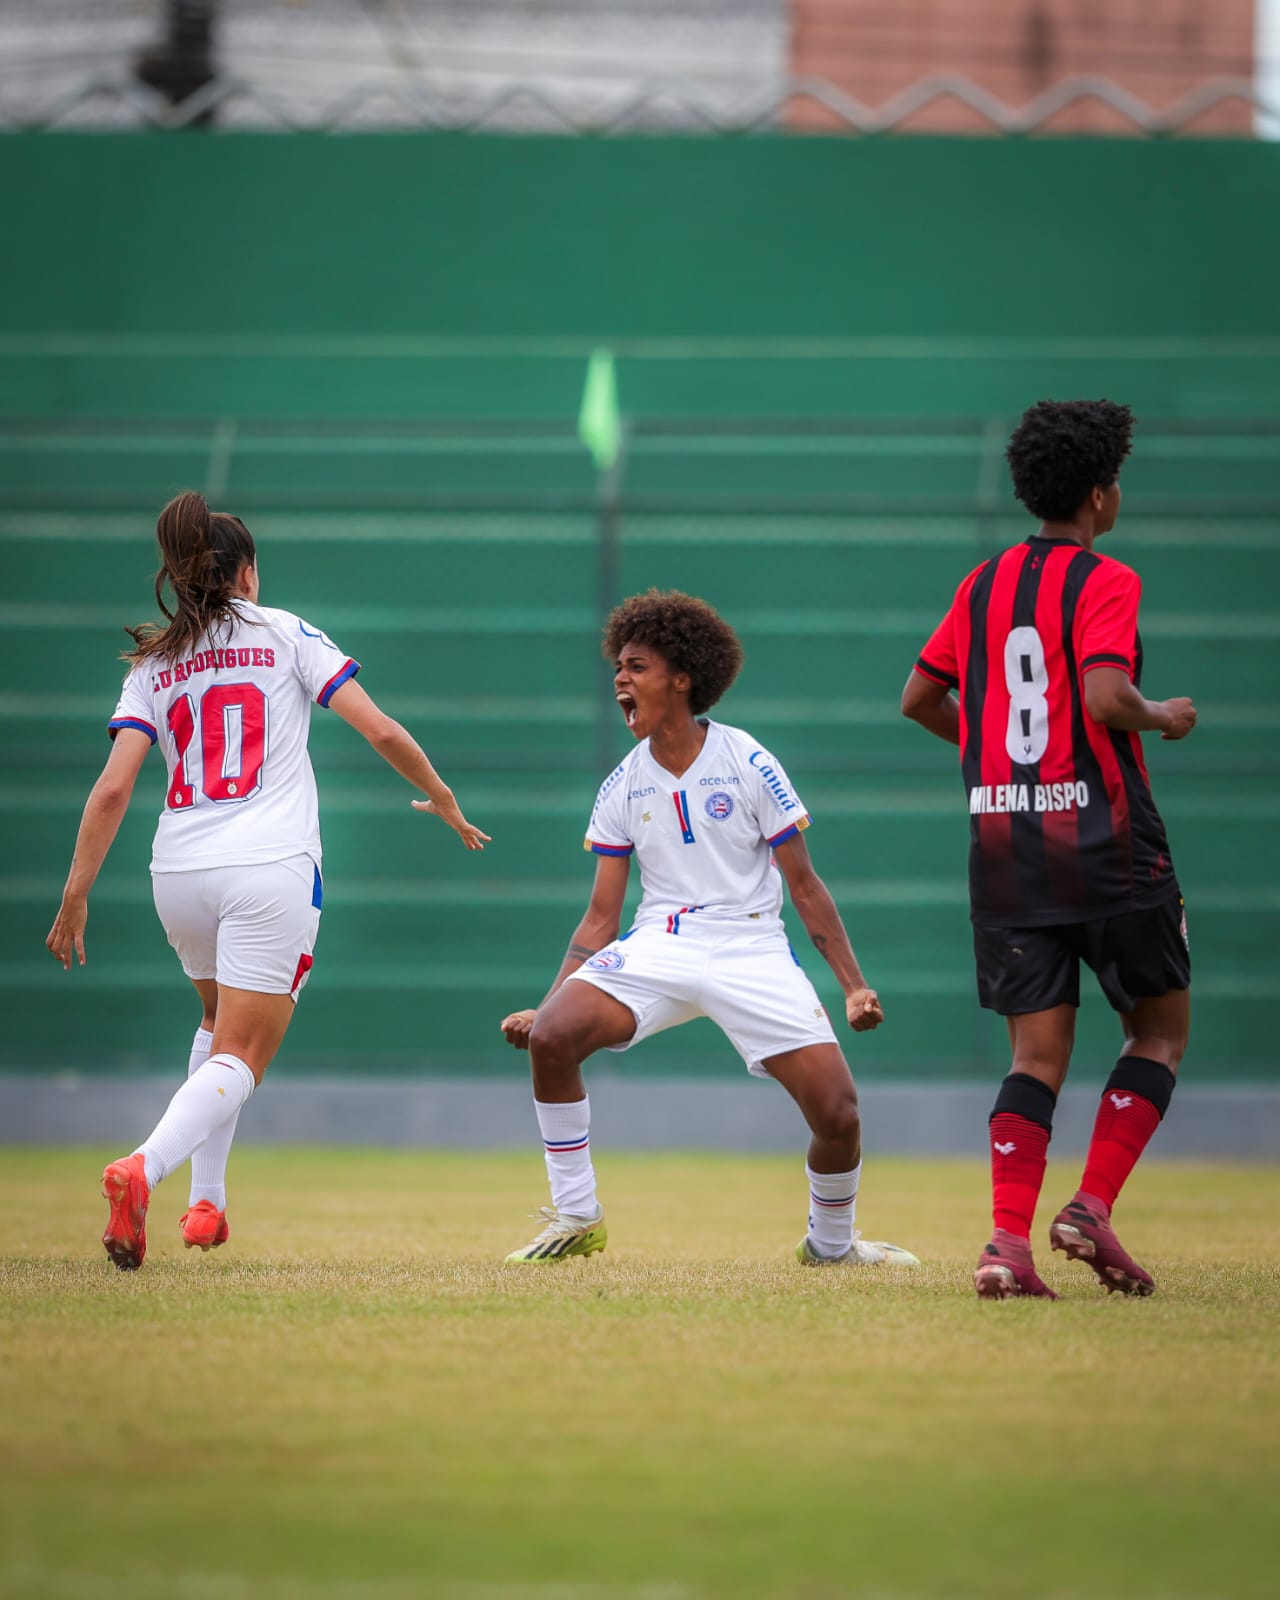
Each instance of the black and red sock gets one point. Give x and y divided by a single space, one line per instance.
1021 1123
1133 1104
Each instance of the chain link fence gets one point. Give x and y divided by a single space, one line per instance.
563 66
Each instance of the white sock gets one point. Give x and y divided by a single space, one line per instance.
209 1161
213 1093
833 1199
573 1179
201 1045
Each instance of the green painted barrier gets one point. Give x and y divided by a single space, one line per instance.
375 348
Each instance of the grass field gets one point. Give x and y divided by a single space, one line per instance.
354 1400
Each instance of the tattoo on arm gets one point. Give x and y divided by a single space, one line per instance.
580 952
820 943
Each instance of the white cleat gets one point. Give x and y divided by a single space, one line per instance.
563 1236
861 1253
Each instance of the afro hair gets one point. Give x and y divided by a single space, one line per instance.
686 633
1062 449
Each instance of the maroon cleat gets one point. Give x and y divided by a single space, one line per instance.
1083 1229
1005 1270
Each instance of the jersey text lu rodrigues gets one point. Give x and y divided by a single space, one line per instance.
232 719
1063 826
704 841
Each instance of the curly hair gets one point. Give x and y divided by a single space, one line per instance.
1062 449
686 633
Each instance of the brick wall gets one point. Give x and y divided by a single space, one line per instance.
1157 50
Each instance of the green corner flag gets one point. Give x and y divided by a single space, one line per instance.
599 426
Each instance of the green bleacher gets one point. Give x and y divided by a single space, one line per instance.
832 546
374 349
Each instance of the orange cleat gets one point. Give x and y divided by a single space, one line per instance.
124 1184
204 1225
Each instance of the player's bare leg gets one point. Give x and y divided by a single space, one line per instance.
817 1078
1159 1028
1021 1123
251 1026
207 989
1134 1101
1040 1045
578 1020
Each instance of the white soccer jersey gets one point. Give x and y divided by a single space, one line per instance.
705 840
232 718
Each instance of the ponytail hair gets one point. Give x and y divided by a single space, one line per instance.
202 554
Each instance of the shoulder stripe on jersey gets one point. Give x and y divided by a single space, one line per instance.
116 723
937 674
789 832
340 677
1103 658
607 849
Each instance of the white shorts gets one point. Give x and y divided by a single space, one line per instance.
748 983
249 927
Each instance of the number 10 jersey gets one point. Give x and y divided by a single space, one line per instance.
232 718
1063 827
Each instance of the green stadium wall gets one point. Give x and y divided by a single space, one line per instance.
269 316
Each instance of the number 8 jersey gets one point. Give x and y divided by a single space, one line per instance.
1063 825
232 718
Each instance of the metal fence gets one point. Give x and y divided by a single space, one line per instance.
566 66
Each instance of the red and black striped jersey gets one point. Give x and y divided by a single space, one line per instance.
1063 825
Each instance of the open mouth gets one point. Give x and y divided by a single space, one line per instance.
628 708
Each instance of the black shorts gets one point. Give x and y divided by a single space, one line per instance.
1138 955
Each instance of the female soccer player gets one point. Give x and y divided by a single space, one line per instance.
1069 861
715 825
227 685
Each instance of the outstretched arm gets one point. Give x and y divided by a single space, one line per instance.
599 927
932 705
402 752
817 910
105 808
1110 698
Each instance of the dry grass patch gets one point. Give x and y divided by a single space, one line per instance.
355 1395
